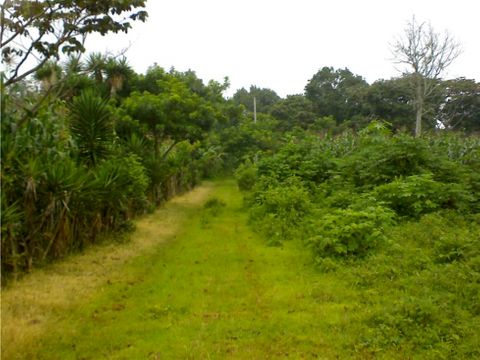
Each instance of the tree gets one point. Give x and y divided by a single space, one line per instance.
34 31
461 106
264 98
426 54
118 72
391 100
294 110
336 93
175 114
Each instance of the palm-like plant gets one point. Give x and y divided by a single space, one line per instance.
91 126
49 74
117 72
73 65
95 66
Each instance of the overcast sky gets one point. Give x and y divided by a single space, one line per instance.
281 44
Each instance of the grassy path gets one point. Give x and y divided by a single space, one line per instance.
213 291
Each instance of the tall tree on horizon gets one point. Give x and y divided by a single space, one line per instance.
335 92
426 54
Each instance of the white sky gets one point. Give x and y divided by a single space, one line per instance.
281 44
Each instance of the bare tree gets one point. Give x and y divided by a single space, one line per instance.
426 54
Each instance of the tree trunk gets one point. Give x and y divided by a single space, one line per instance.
418 121
419 98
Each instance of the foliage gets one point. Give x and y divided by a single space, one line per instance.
293 111
419 194
349 188
461 106
246 176
336 93
83 166
91 126
430 271
347 232
306 158
382 159
245 140
45 29
391 99
280 209
264 98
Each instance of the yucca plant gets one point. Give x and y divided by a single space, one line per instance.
95 66
61 185
117 72
91 126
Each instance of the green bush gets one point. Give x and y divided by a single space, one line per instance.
345 232
246 176
309 159
415 195
381 159
281 209
116 192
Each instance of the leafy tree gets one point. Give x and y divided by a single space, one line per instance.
264 98
426 54
42 30
460 109
192 81
336 93
245 139
295 110
149 81
175 114
391 100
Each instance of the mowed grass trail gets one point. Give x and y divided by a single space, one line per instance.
214 290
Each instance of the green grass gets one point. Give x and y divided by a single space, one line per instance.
217 291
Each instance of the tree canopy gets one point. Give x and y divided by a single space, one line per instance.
41 30
335 92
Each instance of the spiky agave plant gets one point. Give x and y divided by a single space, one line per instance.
91 126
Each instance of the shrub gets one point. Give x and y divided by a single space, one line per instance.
246 176
345 232
419 194
381 159
309 159
281 209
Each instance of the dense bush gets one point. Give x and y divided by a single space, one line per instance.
419 194
381 159
280 209
85 164
346 232
308 159
358 185
246 176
